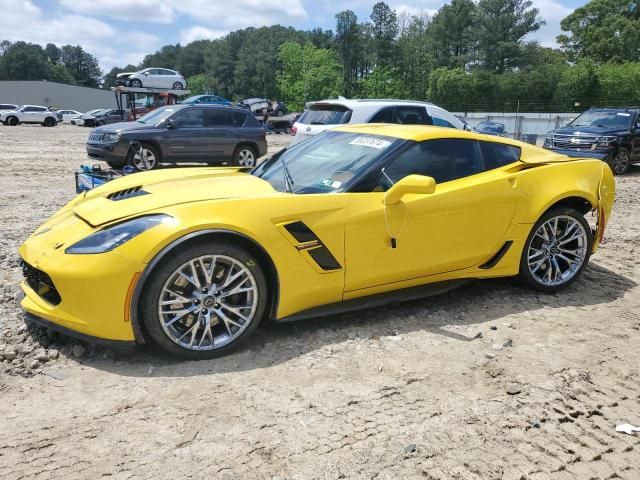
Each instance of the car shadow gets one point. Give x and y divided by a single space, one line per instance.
275 343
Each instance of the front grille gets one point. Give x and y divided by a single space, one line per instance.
127 193
41 283
96 137
574 142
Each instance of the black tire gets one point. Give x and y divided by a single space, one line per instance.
620 161
279 113
153 288
242 153
131 160
135 83
525 272
12 121
287 130
177 86
49 122
117 166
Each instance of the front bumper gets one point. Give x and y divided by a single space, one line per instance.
93 290
114 153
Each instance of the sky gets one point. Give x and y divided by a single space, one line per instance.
119 32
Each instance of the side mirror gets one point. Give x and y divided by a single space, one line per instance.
146 74
171 124
410 184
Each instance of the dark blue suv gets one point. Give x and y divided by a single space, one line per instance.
611 134
181 133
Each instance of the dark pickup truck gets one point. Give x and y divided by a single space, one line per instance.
611 134
181 133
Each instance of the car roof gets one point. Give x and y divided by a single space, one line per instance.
375 102
182 106
418 132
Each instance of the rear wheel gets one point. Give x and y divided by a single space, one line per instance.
204 300
147 158
245 156
557 250
620 161
177 86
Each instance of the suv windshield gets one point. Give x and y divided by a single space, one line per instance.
158 115
325 163
325 114
599 118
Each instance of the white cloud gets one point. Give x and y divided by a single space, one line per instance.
553 13
225 15
200 33
131 10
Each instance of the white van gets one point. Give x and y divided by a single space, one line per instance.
326 114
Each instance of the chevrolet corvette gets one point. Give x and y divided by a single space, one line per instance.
194 259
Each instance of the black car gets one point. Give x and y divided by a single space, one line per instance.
105 117
490 128
181 133
611 134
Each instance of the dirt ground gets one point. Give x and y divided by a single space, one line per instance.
491 381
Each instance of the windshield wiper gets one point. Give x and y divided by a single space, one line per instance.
288 180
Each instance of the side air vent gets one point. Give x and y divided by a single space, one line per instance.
310 243
127 193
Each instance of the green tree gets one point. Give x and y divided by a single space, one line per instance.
307 73
578 85
347 42
201 83
24 61
109 80
452 34
82 66
414 59
384 30
603 30
384 82
166 57
190 61
501 26
54 54
449 87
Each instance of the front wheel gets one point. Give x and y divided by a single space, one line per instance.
49 122
135 83
147 158
204 300
620 161
245 156
557 250
12 121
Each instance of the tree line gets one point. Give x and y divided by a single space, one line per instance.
469 56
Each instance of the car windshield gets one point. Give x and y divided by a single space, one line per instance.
490 127
156 116
325 114
325 163
607 119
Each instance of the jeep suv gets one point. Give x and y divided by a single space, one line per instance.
181 133
325 114
611 134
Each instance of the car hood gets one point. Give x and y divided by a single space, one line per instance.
122 198
124 74
121 127
588 131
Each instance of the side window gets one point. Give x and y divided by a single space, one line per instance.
441 122
239 118
29 109
444 160
497 155
215 118
191 118
383 116
411 116
166 72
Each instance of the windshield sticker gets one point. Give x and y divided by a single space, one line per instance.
623 114
371 142
327 182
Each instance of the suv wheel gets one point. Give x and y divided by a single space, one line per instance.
620 162
13 121
147 159
245 156
49 122
279 113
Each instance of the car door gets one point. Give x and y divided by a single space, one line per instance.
33 114
460 225
221 134
635 139
188 141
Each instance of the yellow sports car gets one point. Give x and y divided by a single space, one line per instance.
195 258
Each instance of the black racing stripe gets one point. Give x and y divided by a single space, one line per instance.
323 257
301 232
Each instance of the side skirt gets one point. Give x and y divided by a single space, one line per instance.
377 300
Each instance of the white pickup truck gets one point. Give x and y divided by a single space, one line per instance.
30 114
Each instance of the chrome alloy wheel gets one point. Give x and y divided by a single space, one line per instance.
144 161
208 302
246 158
621 162
557 251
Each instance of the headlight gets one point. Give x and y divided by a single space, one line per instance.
111 137
112 237
548 140
605 141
